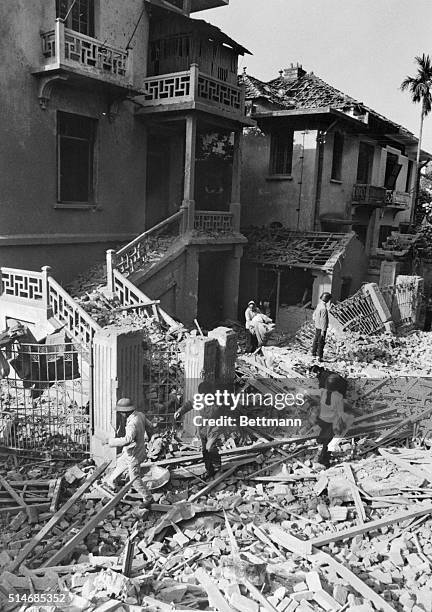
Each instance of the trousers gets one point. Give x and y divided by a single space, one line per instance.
319 343
131 465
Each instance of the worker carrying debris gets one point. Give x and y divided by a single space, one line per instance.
134 448
331 417
252 342
321 321
208 434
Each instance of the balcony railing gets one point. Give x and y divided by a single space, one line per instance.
213 221
400 199
194 87
369 194
64 48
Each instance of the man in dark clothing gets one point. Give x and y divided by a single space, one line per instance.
207 433
321 321
322 375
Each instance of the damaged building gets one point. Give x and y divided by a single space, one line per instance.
320 161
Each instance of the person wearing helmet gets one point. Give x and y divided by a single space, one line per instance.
133 448
321 321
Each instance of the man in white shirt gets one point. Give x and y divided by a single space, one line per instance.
250 312
321 321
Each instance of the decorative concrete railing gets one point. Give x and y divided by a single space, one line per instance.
213 221
192 86
368 194
80 326
398 198
65 46
23 284
358 314
132 256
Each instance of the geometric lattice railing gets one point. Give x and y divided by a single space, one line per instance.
80 326
133 255
358 314
213 221
65 46
24 284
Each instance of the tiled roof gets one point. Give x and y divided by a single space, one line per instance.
255 88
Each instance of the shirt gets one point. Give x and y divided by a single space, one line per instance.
330 413
133 442
320 317
249 315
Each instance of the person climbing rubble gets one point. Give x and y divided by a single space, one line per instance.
321 320
331 418
134 449
252 342
208 434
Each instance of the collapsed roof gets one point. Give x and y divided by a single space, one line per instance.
278 246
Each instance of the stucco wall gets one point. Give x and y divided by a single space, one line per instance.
28 147
266 199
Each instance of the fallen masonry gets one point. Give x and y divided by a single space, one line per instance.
272 531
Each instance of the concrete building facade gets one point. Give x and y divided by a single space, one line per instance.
106 109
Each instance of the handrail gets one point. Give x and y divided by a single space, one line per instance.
150 231
167 75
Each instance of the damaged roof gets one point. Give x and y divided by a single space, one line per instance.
279 246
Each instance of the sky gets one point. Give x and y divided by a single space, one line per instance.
365 48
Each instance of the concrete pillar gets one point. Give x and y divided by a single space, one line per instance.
373 232
232 283
110 265
188 304
378 301
117 372
416 284
188 205
46 273
200 364
226 355
235 206
388 273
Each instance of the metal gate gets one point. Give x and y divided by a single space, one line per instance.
163 382
45 401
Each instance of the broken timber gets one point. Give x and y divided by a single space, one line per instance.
57 517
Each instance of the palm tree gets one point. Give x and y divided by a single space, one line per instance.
420 87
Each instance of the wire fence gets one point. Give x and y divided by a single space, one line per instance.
45 401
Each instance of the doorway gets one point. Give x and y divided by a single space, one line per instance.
211 289
158 184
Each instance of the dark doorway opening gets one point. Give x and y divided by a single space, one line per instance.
211 289
158 184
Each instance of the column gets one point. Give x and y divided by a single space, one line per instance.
235 205
117 372
188 205
373 232
231 283
200 364
226 355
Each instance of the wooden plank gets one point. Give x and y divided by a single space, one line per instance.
346 574
89 526
57 517
417 471
418 510
31 511
278 535
259 596
56 494
215 597
218 480
17 509
361 514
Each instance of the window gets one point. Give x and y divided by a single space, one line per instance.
281 150
75 150
338 144
409 176
365 163
79 15
392 171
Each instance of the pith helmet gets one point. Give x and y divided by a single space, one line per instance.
125 405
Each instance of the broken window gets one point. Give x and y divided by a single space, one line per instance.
365 163
75 149
281 152
392 171
338 144
78 15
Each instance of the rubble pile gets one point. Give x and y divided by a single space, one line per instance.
424 243
273 531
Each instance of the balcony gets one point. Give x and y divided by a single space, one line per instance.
69 55
369 195
398 199
192 90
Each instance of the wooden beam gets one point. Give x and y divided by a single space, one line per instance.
218 480
373 525
57 517
89 526
215 597
361 514
31 512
